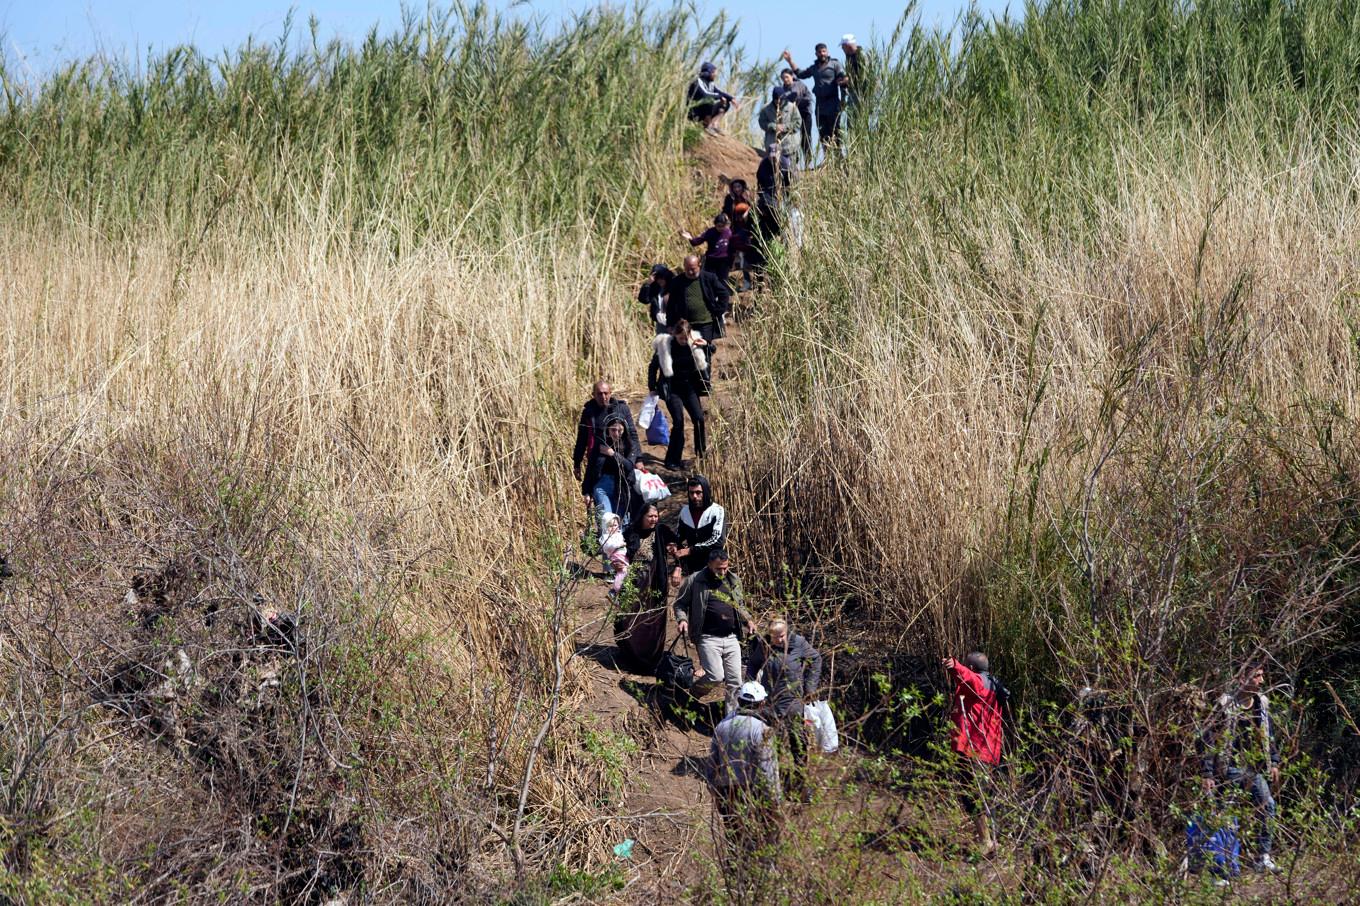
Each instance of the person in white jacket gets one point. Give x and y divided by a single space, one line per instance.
679 375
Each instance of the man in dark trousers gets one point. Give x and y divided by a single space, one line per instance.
791 669
710 610
828 77
701 298
976 711
653 295
857 82
1238 750
599 410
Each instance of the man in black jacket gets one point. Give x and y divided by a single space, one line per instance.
791 669
598 411
701 298
710 609
653 295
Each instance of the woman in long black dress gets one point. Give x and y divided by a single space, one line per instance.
640 629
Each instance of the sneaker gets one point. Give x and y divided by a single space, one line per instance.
1266 865
1222 882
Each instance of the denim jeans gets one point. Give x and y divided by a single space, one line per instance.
1259 788
606 495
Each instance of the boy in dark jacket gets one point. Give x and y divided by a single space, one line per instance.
977 738
710 610
653 295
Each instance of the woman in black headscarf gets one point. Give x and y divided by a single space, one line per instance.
640 628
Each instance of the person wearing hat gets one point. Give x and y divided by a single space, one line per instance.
744 773
744 763
855 80
779 118
709 609
653 295
708 102
826 73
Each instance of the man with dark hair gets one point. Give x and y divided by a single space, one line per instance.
702 527
779 119
802 99
708 102
653 295
1238 750
976 710
701 298
827 76
791 669
709 610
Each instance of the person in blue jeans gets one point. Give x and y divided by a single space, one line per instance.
1239 752
612 470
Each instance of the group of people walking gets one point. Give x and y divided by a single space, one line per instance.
787 119
771 675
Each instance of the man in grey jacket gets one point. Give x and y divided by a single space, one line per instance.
827 76
745 778
792 670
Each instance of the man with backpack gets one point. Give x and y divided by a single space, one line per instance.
976 708
1238 751
701 298
791 669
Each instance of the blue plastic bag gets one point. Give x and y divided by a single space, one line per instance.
659 431
1218 848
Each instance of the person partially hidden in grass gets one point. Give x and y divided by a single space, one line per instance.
744 774
792 670
976 706
708 102
1238 751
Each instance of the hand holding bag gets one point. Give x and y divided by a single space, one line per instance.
676 669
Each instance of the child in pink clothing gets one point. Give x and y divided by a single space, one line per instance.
614 549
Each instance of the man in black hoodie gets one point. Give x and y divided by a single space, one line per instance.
702 528
791 669
591 439
653 295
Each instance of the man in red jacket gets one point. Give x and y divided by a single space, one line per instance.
977 737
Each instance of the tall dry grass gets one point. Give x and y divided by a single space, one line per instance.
305 330
1066 370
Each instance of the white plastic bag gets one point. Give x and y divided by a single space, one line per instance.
644 419
823 725
652 487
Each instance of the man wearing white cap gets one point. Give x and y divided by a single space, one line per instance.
855 82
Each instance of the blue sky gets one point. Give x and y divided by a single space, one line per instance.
38 34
